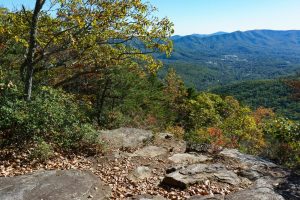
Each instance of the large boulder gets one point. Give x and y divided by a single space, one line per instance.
261 190
54 185
185 158
245 159
150 152
126 137
140 173
254 167
290 187
197 173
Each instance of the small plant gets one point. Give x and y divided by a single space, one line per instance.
177 131
42 151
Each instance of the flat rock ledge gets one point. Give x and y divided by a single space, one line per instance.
150 152
126 137
261 190
186 158
54 185
199 173
252 177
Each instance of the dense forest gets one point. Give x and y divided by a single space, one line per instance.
93 65
275 94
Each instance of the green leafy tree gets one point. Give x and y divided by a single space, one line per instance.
84 38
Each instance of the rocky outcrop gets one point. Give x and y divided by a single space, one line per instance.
256 178
139 165
126 137
150 152
290 187
140 173
197 173
187 158
54 185
262 190
255 168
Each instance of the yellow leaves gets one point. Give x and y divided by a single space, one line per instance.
2 30
79 21
21 41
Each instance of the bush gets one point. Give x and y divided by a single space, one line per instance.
177 131
42 151
283 141
52 116
223 122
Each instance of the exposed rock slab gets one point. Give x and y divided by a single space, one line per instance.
54 185
197 173
247 159
254 167
208 197
147 197
150 152
140 173
261 190
165 136
290 188
126 137
185 158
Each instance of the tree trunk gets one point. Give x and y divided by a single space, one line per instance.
100 100
28 63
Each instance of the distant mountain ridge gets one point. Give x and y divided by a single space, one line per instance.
222 58
249 42
175 37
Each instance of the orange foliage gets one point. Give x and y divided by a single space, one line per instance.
262 113
151 120
217 137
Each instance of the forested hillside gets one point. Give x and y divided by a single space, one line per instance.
229 57
275 94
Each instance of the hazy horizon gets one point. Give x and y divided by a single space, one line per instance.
234 31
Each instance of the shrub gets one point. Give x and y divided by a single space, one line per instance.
52 115
283 141
42 150
177 131
223 122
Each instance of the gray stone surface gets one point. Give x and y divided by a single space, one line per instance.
261 190
196 173
147 197
165 136
126 137
185 158
254 167
140 173
54 185
254 162
150 152
207 197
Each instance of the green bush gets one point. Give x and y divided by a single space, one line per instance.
283 141
223 122
42 150
52 115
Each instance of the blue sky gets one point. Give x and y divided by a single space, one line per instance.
208 16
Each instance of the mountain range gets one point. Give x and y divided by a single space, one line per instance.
206 61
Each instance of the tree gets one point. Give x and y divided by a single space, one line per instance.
28 62
177 95
85 37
